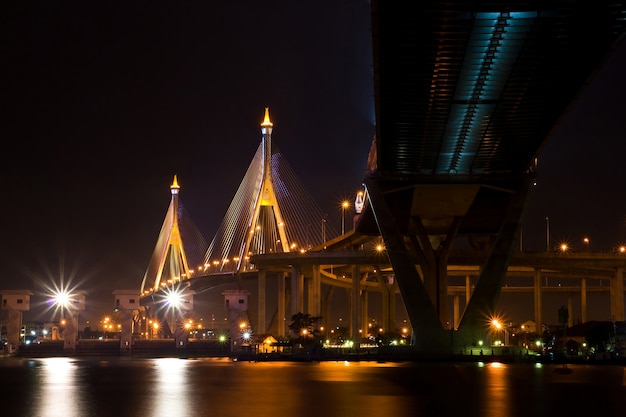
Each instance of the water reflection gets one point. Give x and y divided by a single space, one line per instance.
119 387
57 394
170 388
496 401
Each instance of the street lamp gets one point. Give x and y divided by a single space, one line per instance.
497 325
586 242
344 207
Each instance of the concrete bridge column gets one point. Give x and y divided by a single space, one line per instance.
537 301
355 302
314 292
261 301
386 295
236 302
570 311
15 302
281 310
70 332
455 313
617 295
127 303
364 315
468 289
297 290
583 300
393 319
327 309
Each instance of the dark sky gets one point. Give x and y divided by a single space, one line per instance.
103 104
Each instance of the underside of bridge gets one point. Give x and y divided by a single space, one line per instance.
467 94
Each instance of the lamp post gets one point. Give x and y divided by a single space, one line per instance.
498 326
344 207
586 242
547 234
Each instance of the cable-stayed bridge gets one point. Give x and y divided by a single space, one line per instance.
271 212
466 96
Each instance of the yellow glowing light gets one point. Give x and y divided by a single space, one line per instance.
175 183
266 119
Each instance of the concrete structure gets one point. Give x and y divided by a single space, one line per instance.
71 311
127 304
236 303
14 303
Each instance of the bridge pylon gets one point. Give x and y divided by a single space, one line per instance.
168 263
271 212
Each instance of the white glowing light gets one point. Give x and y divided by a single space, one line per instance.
174 299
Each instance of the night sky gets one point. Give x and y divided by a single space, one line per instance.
103 104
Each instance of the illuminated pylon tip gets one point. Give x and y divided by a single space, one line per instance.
175 185
266 119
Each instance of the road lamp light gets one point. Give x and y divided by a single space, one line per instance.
344 207
586 242
497 326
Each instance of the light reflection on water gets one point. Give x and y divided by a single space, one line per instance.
118 387
496 394
58 393
170 388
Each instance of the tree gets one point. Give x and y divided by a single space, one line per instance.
303 325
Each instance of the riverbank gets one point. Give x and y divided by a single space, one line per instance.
159 349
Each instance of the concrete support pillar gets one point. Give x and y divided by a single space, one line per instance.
327 309
393 319
261 306
281 310
126 335
355 296
365 315
14 302
455 313
236 303
127 303
386 303
583 300
468 289
13 325
570 311
70 331
316 281
537 300
617 295
297 290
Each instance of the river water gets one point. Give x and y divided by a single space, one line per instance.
77 387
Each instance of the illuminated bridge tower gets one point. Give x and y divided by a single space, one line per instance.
270 212
169 260
161 287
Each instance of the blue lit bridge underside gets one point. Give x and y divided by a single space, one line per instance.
467 94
